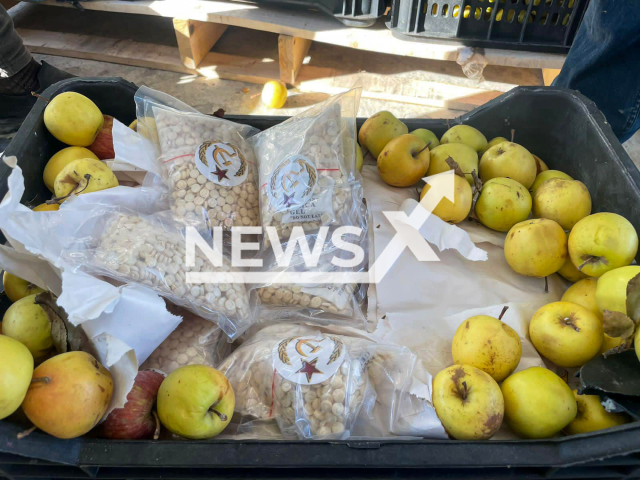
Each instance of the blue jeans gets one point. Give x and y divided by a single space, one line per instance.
604 63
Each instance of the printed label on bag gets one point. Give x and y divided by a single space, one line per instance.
337 295
292 183
312 211
221 163
308 360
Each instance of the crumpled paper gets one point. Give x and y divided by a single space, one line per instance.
124 324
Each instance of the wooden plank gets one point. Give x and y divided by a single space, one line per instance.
315 26
549 75
291 53
195 39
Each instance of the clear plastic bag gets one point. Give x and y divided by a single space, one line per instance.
206 161
308 174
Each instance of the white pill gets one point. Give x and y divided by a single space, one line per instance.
337 409
338 395
325 405
337 428
182 359
310 397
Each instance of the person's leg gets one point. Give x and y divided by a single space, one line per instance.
13 54
604 63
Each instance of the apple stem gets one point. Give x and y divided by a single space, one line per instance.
513 134
546 284
465 391
592 259
40 96
222 416
422 150
87 177
41 380
26 433
504 310
156 434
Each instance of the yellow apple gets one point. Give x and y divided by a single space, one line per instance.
564 201
502 203
427 136
570 272
16 367
611 290
359 158
380 129
44 207
496 141
134 125
468 402
566 333
403 161
540 165
84 176
547 175
536 248
28 323
612 342
489 344
583 293
592 416
196 402
61 160
508 160
601 242
636 343
73 119
465 134
463 155
274 94
537 403
69 395
17 288
458 210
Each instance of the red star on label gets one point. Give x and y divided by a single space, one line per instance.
221 173
309 368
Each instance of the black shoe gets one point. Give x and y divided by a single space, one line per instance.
15 108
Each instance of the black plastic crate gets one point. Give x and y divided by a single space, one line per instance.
563 127
537 25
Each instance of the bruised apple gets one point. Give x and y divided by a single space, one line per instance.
102 146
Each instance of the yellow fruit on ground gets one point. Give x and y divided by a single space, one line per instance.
502 203
73 119
564 201
537 403
536 248
26 322
43 207
16 288
69 395
592 416
465 134
458 210
489 344
547 175
61 160
403 161
84 176
380 129
611 290
274 94
463 155
427 137
602 242
508 160
16 368
566 333
468 402
583 293
540 165
570 272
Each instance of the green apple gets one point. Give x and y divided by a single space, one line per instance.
427 136
380 129
611 290
403 161
28 323
359 158
17 288
537 403
602 242
592 416
196 402
465 134
508 160
16 370
546 175
502 203
463 155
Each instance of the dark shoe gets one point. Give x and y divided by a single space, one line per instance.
15 108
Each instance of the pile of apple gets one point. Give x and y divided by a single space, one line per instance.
67 395
501 185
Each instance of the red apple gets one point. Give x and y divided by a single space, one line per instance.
102 146
135 420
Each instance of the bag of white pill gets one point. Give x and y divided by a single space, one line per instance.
206 163
307 168
330 383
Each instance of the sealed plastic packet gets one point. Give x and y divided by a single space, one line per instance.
133 248
207 164
307 168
